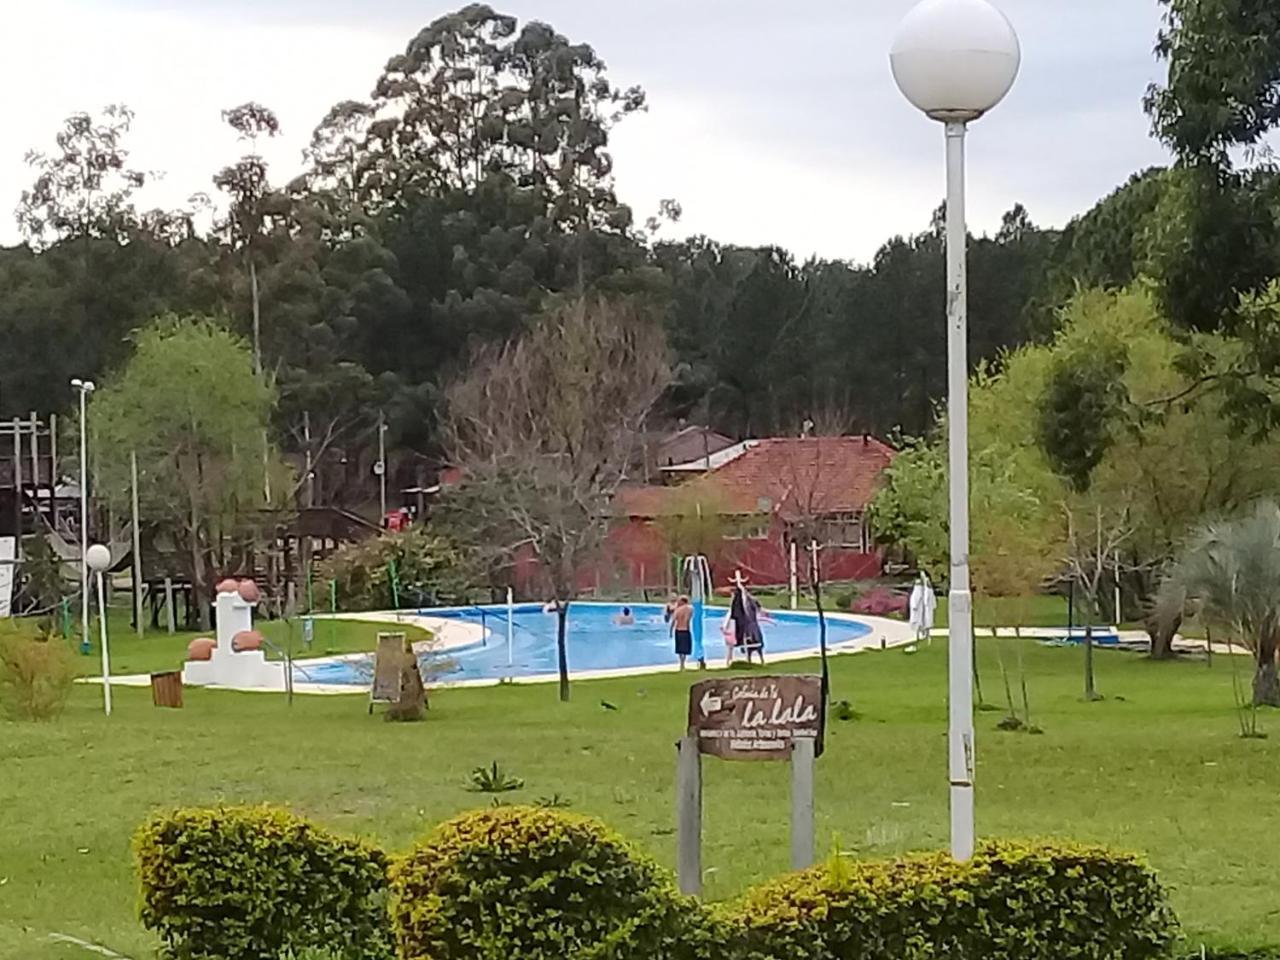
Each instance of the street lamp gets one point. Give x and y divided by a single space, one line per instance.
85 387
98 558
955 60
380 468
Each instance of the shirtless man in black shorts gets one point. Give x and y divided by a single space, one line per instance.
681 629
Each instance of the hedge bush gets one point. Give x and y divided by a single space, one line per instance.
539 884
1010 902
429 570
257 883
542 884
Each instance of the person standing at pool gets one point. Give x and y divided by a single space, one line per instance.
682 629
755 640
737 623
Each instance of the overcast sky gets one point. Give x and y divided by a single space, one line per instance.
770 122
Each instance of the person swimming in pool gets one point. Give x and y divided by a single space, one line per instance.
625 619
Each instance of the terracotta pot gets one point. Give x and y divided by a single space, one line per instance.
247 640
201 648
249 591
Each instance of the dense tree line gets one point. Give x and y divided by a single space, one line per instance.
475 185
442 213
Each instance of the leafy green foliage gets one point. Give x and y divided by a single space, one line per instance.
1083 398
36 673
429 570
493 779
1010 902
1223 90
541 885
1164 462
190 406
255 882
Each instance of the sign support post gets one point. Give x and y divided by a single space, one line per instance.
755 718
802 770
689 816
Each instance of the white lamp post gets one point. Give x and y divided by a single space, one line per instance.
955 60
380 468
98 559
85 387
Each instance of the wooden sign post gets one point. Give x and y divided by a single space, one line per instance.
748 718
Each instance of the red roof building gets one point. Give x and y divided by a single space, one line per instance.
773 488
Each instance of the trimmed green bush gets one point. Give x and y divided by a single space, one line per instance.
256 883
539 884
1010 902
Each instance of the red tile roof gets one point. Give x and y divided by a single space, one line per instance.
789 476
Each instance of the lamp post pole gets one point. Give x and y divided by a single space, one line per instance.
85 387
382 468
955 60
959 598
98 559
106 656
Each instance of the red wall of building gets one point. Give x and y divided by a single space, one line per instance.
635 556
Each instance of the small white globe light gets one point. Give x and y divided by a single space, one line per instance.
98 557
955 59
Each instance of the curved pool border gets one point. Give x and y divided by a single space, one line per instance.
884 634
455 635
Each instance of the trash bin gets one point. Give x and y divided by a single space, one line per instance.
166 688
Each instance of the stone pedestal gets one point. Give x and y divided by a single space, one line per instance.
248 669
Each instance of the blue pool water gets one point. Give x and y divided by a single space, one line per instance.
594 642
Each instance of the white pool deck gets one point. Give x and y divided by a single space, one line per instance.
450 634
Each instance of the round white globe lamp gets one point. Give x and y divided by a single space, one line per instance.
955 60
98 557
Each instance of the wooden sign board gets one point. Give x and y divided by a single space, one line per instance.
755 718
387 660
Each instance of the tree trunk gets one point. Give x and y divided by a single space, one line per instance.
826 676
198 569
1162 635
257 324
1266 683
822 642
562 654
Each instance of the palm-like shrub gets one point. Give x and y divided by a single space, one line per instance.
1230 572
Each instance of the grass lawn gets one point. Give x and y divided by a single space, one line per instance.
1157 767
159 650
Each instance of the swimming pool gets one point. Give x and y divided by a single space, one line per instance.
594 642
